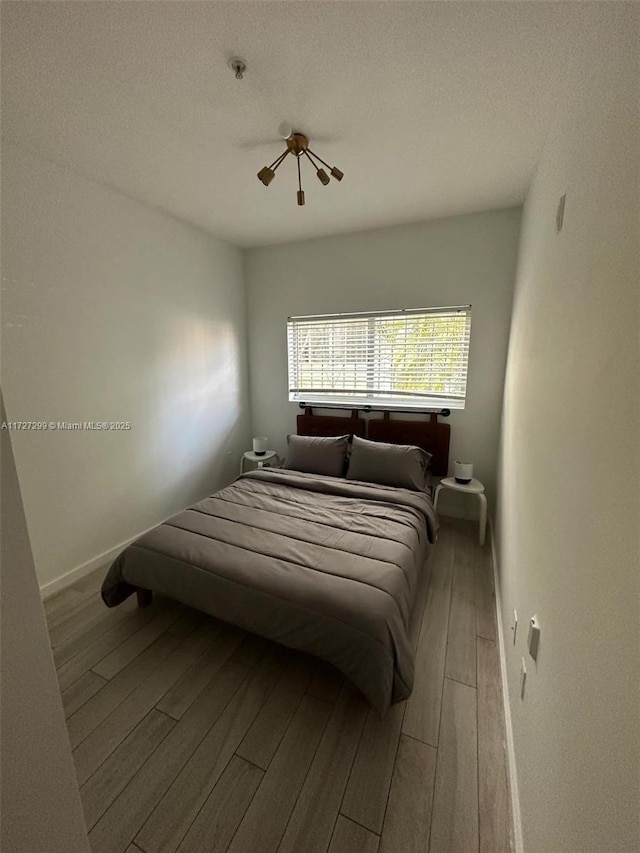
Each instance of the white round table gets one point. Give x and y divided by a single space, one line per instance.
476 488
250 456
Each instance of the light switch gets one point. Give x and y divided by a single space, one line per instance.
533 640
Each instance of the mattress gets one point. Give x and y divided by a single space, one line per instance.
321 564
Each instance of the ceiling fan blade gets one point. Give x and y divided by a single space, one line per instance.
323 138
250 146
320 139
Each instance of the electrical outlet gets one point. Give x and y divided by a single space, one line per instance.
523 677
514 626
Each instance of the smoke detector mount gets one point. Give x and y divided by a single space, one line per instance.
238 65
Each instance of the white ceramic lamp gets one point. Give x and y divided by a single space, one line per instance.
463 471
260 445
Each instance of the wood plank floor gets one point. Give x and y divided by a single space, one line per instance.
190 736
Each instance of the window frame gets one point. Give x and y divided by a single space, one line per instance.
357 398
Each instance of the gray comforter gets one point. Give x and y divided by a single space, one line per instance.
321 564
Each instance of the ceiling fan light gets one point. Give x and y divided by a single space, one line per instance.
298 145
266 175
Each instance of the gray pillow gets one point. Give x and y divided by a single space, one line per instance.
317 455
401 465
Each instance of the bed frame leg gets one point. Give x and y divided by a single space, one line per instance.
145 597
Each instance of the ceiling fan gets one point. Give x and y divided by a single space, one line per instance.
298 145
285 130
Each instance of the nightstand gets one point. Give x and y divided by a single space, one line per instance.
476 488
250 456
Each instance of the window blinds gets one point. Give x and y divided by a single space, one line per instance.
404 359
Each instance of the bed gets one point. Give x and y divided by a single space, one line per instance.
319 563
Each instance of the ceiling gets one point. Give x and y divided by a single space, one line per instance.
431 109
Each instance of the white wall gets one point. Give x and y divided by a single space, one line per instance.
466 259
568 504
39 799
113 311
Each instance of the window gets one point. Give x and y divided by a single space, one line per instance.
407 359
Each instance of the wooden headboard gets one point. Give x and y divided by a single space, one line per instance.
431 435
310 424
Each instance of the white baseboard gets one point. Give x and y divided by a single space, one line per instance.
69 578
511 757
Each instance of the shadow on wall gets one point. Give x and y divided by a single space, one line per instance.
197 400
189 443
184 445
